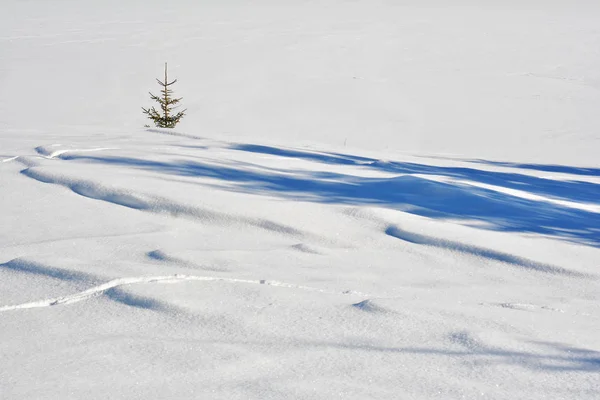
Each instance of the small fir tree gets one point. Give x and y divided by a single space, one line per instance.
165 117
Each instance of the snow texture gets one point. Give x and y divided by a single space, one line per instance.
366 200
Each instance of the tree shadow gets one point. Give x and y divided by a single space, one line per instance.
564 169
499 211
576 191
328 158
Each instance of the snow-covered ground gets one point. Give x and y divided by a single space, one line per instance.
366 200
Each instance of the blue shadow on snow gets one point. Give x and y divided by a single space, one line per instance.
413 194
576 191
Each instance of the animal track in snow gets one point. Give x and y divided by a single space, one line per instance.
101 289
523 306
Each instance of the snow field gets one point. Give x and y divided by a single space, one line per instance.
367 200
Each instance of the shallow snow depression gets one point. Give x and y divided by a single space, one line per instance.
365 200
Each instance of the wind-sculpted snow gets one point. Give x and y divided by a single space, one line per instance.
154 204
30 267
406 190
507 258
162 257
366 200
50 152
253 252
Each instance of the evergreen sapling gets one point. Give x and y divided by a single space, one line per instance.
165 118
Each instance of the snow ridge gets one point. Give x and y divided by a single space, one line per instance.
510 259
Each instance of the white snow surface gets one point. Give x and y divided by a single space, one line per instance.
366 200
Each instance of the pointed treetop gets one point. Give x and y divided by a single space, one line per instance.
164 119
